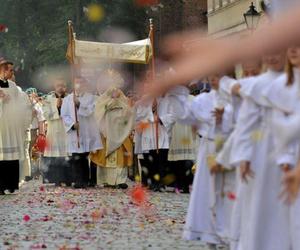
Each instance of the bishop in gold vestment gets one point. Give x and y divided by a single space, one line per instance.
115 118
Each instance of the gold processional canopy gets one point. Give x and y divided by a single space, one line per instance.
79 51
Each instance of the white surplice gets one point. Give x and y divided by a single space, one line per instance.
146 140
183 141
254 142
233 217
205 217
224 156
56 135
89 135
200 221
284 101
16 115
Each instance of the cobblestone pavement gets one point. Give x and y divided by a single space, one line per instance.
41 217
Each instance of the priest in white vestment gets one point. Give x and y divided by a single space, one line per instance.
16 114
252 149
56 165
83 134
33 164
182 151
152 132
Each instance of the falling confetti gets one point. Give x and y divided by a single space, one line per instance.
156 177
256 136
185 141
138 195
46 218
231 196
95 13
38 246
66 205
169 179
142 126
96 215
145 170
219 141
211 160
194 169
41 143
3 28
137 178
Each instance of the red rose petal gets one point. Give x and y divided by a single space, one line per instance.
231 196
26 218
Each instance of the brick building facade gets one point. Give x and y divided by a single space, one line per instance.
177 15
171 16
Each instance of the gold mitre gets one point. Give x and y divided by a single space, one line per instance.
115 78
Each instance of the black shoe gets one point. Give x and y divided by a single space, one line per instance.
11 191
185 190
152 187
159 188
2 192
162 189
155 187
122 186
92 185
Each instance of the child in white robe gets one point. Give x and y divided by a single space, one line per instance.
253 141
283 95
205 218
234 90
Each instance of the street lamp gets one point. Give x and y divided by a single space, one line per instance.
252 17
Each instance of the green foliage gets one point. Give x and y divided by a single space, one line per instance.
37 36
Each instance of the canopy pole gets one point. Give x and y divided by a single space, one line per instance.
153 71
71 60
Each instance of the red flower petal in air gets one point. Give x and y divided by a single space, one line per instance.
231 196
41 143
144 3
143 126
3 28
138 195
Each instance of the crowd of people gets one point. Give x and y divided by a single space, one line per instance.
97 135
241 135
241 162
233 131
91 136
246 186
245 190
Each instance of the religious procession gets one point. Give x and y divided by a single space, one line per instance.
168 141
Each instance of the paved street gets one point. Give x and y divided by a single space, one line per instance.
42 217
